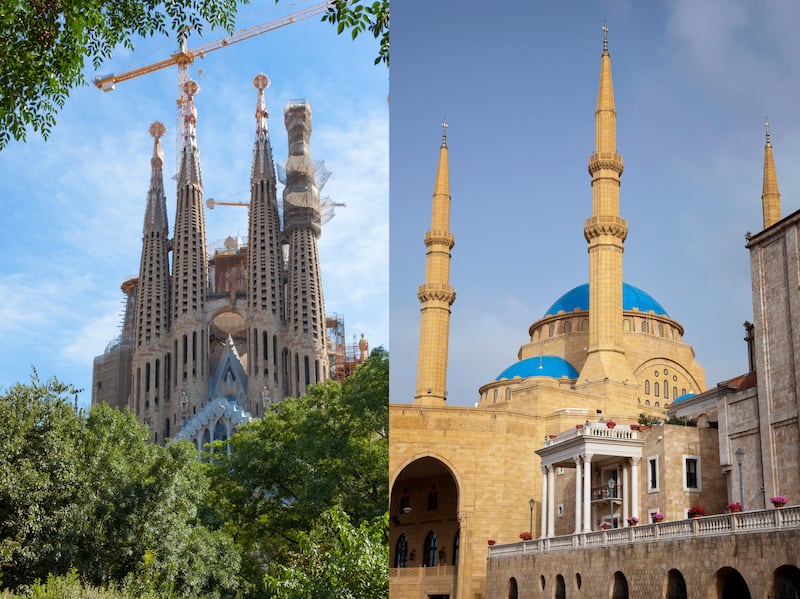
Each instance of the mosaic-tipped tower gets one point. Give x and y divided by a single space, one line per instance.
189 279
150 363
264 267
770 195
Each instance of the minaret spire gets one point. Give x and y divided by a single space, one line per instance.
605 233
265 272
190 160
436 295
770 196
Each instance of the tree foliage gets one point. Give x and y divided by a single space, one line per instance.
335 560
45 45
327 449
94 495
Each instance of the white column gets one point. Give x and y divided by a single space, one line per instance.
635 486
587 492
626 493
578 492
543 533
551 500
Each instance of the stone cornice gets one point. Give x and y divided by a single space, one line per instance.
436 292
605 160
598 226
439 238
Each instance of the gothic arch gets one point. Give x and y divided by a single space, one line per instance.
676 585
619 588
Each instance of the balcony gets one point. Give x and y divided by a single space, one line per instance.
719 525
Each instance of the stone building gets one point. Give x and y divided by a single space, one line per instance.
211 341
554 452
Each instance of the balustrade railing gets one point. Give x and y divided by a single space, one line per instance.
716 525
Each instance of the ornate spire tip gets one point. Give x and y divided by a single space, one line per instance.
261 82
157 130
766 126
444 132
605 38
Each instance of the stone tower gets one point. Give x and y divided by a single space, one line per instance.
189 276
436 295
304 357
265 275
606 367
151 362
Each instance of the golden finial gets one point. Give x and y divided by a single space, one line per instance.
766 126
605 38
444 133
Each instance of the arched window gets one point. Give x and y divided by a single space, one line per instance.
220 431
456 547
674 392
567 326
661 330
585 324
683 390
655 389
206 438
645 327
512 588
401 552
666 390
647 387
626 324
429 559
551 330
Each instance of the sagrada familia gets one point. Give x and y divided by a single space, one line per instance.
599 464
211 342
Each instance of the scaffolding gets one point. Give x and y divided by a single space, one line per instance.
343 358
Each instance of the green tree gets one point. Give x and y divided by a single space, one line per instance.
307 455
92 494
335 560
44 45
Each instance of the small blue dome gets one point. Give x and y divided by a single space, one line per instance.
632 297
551 366
682 397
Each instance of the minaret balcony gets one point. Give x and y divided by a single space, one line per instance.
605 161
439 238
436 292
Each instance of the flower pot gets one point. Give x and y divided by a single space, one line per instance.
635 427
552 436
778 504
611 424
579 426
735 510
490 542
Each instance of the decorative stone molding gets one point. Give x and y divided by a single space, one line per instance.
605 161
436 292
440 238
597 226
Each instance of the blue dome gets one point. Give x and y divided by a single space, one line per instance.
683 397
632 297
551 366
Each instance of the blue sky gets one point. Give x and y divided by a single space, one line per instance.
517 82
74 205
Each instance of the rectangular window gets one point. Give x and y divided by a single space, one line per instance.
652 474
691 473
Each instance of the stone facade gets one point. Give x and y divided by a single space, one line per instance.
239 325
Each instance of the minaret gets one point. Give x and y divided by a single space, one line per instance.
605 233
436 296
770 196
264 268
151 362
189 279
305 360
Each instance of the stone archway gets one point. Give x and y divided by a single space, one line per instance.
731 585
676 585
620 588
424 500
786 583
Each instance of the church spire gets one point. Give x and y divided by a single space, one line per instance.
190 159
265 271
605 231
156 212
770 196
436 295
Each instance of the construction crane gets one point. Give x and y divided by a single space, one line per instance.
185 57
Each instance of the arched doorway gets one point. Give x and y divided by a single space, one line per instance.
676 585
620 590
731 585
401 552
786 583
423 506
561 588
512 588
